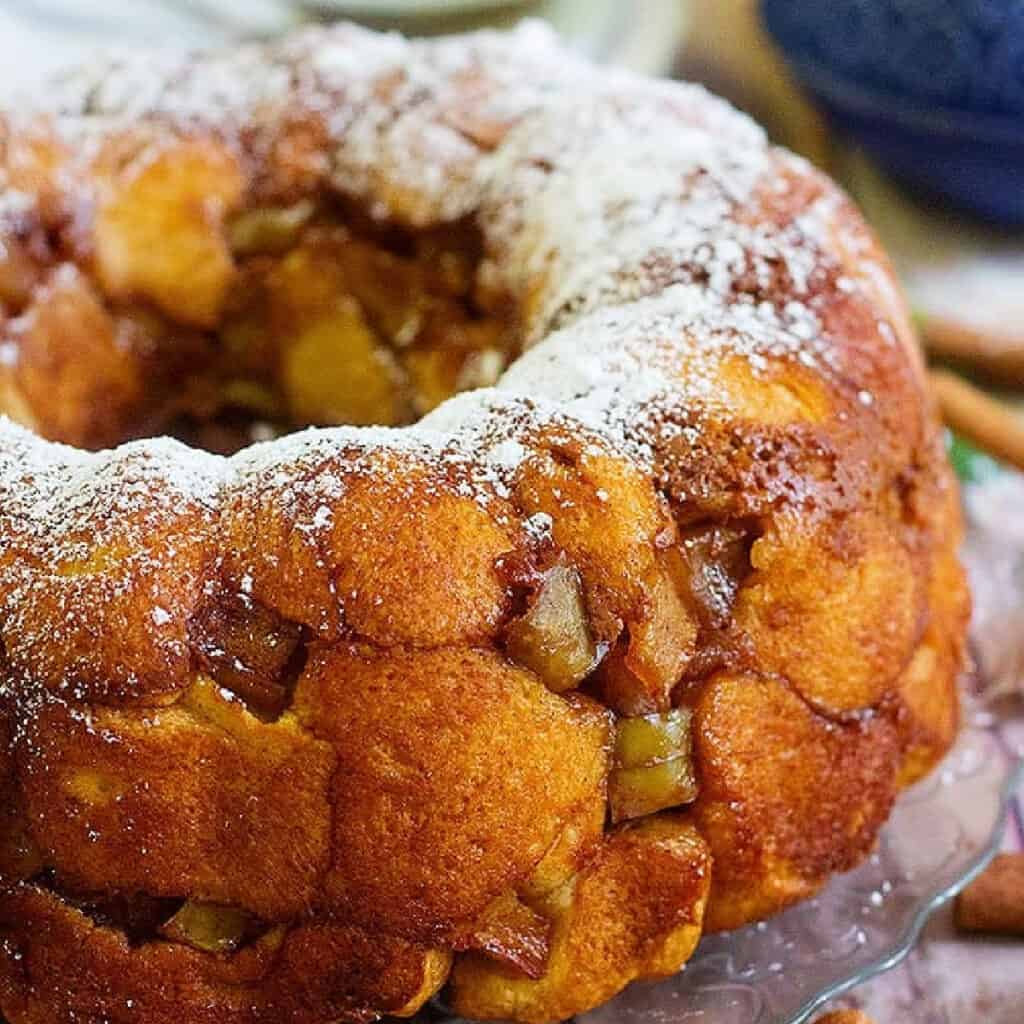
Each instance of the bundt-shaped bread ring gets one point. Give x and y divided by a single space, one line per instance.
512 703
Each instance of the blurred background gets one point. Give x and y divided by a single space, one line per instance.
917 107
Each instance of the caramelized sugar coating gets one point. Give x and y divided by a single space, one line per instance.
634 911
787 797
270 808
508 705
429 779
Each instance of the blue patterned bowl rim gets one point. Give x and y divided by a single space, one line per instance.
948 122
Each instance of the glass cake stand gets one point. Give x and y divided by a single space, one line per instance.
942 833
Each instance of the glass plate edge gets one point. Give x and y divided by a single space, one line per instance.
908 938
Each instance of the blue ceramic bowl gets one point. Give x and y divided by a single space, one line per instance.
933 89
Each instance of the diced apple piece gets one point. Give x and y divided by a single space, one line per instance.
208 927
661 643
637 678
510 932
579 839
717 558
246 648
653 765
553 639
269 230
160 230
335 372
652 739
637 792
634 912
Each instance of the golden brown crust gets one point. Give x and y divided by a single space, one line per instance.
635 911
116 801
787 797
271 747
318 971
429 781
927 694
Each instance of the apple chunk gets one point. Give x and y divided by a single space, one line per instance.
207 927
634 912
653 765
159 229
553 638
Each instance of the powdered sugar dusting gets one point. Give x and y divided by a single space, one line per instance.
617 209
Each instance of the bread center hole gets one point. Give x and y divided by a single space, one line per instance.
335 319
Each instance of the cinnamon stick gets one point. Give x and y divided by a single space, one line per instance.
999 358
845 1017
994 901
989 423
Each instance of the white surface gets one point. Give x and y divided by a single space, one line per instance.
38 37
385 7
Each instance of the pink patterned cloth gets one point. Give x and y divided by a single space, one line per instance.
950 979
